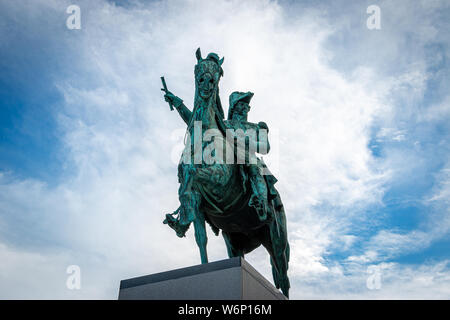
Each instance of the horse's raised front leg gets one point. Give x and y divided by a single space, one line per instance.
200 235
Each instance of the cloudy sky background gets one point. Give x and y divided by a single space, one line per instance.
359 124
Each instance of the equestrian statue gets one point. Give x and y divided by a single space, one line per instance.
222 181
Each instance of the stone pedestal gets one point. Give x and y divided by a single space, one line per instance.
231 279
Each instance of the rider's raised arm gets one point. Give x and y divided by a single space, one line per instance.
177 102
184 112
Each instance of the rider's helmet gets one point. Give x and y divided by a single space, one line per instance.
237 96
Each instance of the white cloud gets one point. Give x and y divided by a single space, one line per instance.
397 281
389 244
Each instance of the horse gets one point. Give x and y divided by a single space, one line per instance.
219 193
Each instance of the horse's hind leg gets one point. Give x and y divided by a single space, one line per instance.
279 252
200 235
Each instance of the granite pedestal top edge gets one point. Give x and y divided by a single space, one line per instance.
183 272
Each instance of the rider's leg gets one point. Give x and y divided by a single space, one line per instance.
259 198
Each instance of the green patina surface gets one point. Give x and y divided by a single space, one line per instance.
238 200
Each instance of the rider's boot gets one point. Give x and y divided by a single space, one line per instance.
258 199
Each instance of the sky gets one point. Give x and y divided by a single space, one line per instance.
359 124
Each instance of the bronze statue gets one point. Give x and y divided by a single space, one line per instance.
235 193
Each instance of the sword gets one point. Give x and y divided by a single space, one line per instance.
165 90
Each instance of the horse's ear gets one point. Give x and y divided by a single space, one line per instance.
198 54
221 61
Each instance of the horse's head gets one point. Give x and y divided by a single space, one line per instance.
207 74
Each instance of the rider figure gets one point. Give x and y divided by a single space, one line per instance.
238 119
